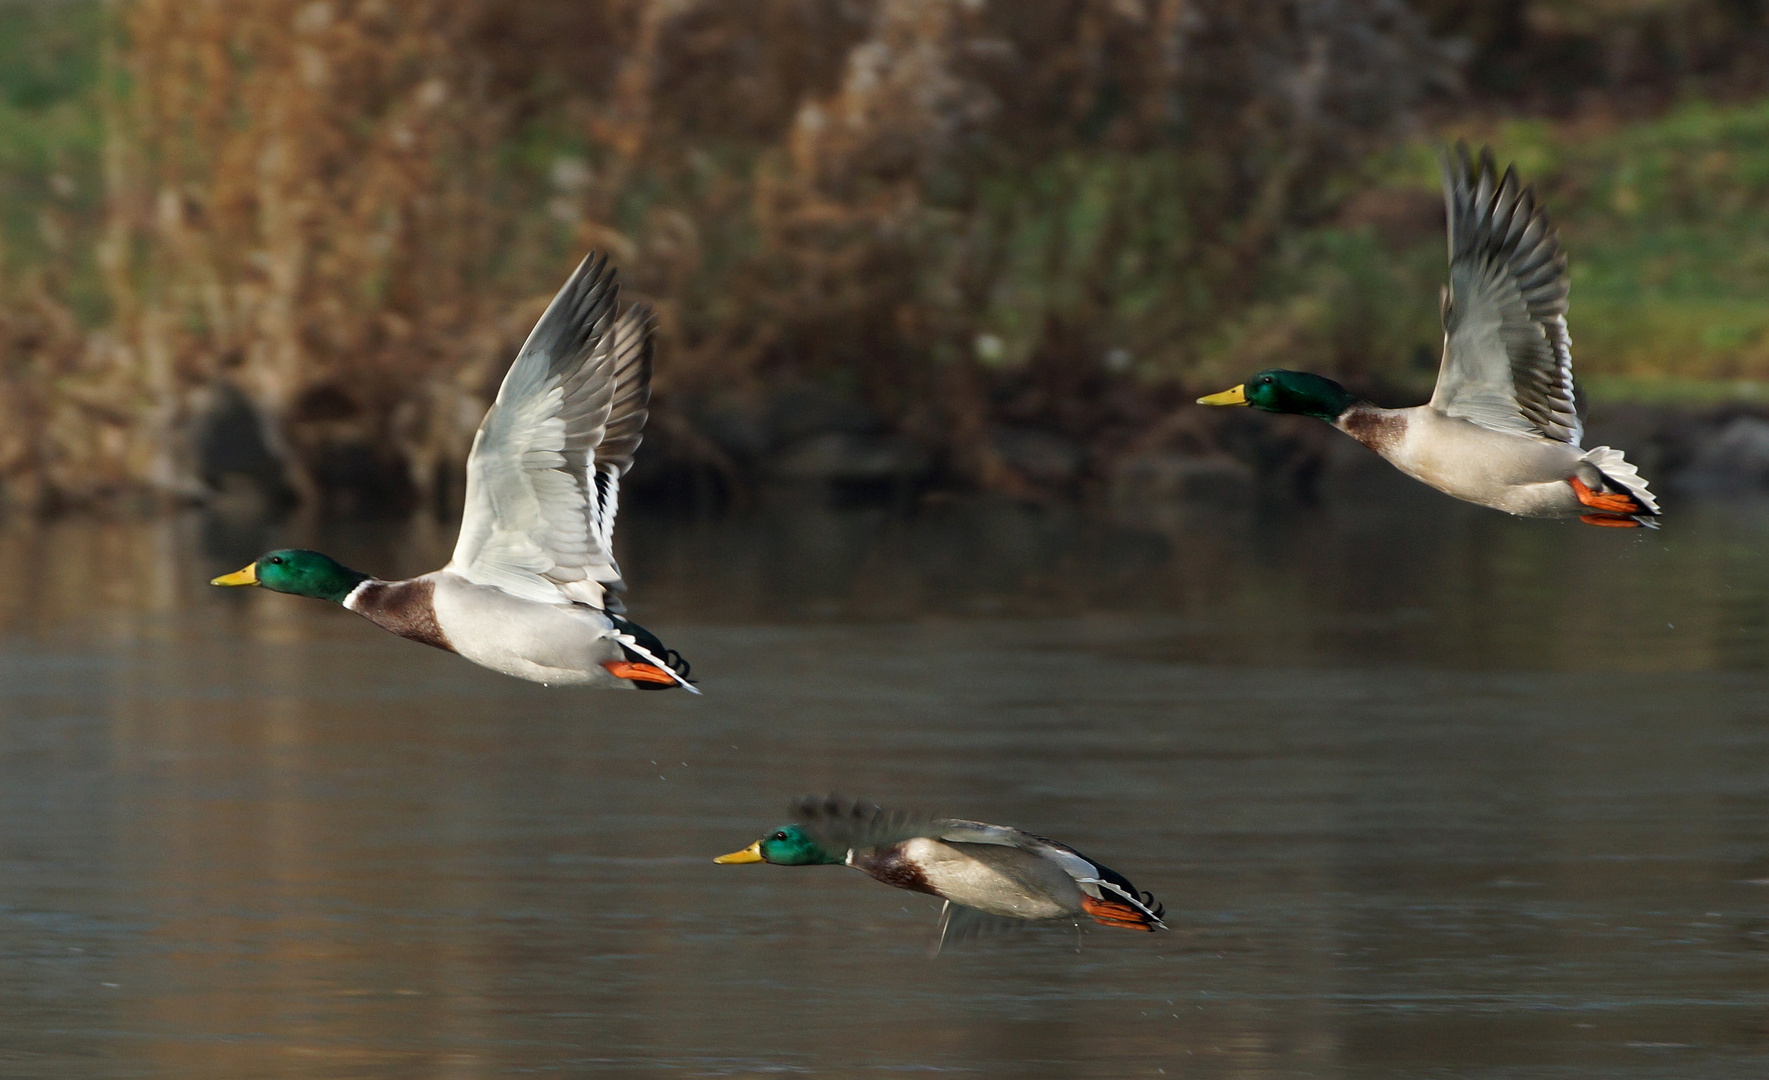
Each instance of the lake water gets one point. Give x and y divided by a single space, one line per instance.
1426 791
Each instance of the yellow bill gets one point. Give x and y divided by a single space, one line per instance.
246 576
1236 395
752 853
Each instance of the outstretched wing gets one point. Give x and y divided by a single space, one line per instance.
543 480
1507 359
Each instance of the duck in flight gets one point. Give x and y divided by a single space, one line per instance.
533 589
1501 429
984 873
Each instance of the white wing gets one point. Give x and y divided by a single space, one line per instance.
543 480
1507 358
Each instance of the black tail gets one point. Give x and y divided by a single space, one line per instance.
1150 919
655 647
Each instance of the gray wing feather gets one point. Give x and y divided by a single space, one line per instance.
838 823
631 377
629 380
541 489
1507 359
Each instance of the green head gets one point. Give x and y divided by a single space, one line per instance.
1282 391
298 572
789 845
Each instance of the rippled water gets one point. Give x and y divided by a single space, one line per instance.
1426 791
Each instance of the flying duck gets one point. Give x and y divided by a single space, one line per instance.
1501 429
532 589
981 871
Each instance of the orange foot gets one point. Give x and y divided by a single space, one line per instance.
1608 502
1610 521
1115 913
638 671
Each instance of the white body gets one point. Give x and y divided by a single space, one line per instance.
1517 473
1010 882
558 644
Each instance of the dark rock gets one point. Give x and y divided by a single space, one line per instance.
853 469
347 456
749 427
680 468
1657 441
737 424
1729 455
847 458
234 457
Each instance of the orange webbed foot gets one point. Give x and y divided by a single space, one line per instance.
1606 501
638 671
1610 521
1115 913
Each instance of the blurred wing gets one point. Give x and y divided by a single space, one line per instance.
1507 359
959 924
838 824
543 480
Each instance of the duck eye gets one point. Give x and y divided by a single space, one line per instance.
276 560
781 835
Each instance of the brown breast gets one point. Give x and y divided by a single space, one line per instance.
889 866
1379 429
404 607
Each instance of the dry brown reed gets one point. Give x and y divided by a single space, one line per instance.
958 211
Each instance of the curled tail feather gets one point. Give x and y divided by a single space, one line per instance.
1620 475
641 644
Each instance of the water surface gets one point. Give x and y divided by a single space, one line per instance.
1426 791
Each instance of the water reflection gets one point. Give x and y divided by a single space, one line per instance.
1423 788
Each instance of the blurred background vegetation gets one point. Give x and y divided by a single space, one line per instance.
285 247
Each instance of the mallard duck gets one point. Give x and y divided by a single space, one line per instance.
1501 429
981 871
532 588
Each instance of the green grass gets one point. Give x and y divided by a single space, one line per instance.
51 134
1666 226
1672 390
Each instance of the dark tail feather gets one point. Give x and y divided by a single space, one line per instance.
650 643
